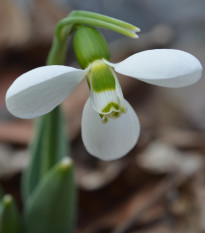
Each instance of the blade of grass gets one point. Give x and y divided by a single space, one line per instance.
9 217
51 207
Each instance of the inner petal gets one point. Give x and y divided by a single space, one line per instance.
106 95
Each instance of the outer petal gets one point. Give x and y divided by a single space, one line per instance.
111 140
163 67
40 90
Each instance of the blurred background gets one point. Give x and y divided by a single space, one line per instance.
159 186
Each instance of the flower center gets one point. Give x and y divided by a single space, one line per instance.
106 94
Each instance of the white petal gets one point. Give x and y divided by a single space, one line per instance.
111 140
118 87
40 90
163 67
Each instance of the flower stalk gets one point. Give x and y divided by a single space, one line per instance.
95 20
65 27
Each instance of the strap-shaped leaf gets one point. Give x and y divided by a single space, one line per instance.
49 146
51 207
9 218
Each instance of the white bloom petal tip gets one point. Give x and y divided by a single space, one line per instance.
136 36
40 90
134 29
137 30
162 67
111 140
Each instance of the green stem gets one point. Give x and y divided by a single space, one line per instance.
65 26
58 49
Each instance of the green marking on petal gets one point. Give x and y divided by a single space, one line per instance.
116 114
104 118
101 77
113 111
111 106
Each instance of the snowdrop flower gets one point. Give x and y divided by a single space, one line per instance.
110 127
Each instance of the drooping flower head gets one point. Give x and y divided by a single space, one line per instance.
110 127
105 92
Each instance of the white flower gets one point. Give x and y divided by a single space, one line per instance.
39 91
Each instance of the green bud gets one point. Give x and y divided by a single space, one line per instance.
89 45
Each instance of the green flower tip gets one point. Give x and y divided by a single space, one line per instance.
133 32
136 29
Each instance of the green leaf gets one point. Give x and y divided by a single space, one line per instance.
9 218
51 207
49 146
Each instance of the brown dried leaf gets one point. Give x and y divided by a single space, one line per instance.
160 157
